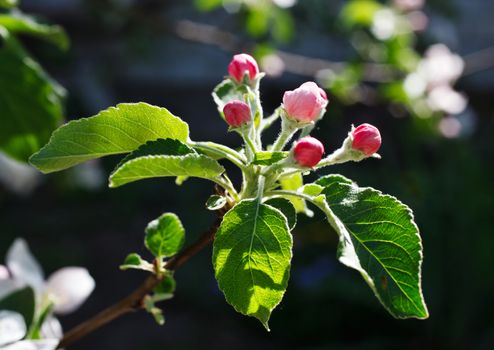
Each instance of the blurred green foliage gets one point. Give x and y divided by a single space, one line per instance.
30 101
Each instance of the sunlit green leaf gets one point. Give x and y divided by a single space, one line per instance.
268 158
120 129
165 236
251 257
192 165
286 207
360 12
293 183
379 238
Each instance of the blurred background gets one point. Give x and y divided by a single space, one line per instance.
421 71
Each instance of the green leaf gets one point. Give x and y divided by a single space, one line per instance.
165 236
286 207
215 202
138 166
167 286
293 183
208 5
283 25
134 261
158 147
30 102
120 129
251 257
21 301
8 3
227 91
156 312
268 158
360 12
18 23
379 238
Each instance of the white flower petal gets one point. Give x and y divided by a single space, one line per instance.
68 288
12 327
45 344
23 265
8 287
52 328
4 273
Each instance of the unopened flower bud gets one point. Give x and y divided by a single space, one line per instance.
237 113
308 151
306 103
366 139
242 64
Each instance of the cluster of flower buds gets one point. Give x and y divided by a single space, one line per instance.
301 108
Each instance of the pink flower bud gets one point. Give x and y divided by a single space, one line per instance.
242 64
305 103
237 113
366 138
308 151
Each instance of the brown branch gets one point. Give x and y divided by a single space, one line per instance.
134 301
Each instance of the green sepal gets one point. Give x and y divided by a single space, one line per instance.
165 236
134 261
216 202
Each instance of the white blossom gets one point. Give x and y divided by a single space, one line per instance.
66 288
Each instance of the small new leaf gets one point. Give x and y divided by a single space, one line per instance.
156 312
268 158
166 286
134 261
293 183
215 202
252 252
165 236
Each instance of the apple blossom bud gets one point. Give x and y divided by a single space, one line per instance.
242 64
306 103
308 151
237 113
366 138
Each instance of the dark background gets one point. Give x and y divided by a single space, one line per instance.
125 51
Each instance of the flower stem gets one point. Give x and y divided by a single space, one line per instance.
222 151
288 129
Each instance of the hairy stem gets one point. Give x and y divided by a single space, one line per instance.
134 301
287 131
